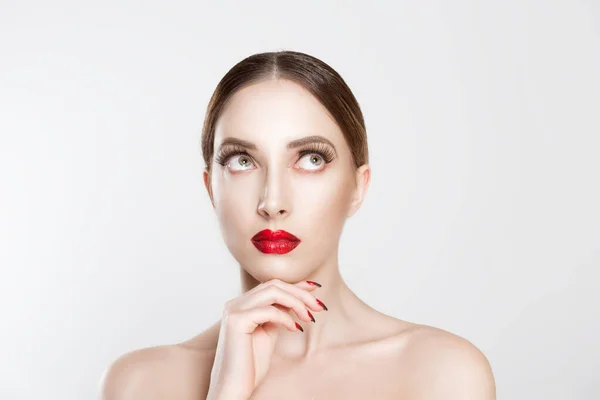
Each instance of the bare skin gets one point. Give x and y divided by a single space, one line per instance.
374 356
352 351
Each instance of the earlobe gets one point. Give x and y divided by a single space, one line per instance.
206 177
363 178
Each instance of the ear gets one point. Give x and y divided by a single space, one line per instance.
363 178
207 185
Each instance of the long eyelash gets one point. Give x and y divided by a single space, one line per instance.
319 148
230 151
314 148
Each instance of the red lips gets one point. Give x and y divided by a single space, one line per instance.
277 242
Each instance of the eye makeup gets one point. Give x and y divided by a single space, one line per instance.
229 151
321 149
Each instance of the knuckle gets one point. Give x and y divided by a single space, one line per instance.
274 288
275 292
229 307
232 317
274 282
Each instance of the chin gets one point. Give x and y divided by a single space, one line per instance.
267 266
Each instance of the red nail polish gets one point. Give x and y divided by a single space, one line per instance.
299 327
314 283
321 304
311 316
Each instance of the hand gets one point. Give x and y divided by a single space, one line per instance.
249 330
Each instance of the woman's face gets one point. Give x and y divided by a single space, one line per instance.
281 163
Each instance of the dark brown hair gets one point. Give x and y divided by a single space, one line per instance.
311 73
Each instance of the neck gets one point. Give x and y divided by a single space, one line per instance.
331 327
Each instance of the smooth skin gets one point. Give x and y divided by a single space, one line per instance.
254 351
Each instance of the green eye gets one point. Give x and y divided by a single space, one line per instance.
314 161
242 160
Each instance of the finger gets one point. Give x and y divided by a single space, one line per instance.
246 321
289 310
308 285
304 284
297 290
273 295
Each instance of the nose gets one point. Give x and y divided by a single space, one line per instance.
274 202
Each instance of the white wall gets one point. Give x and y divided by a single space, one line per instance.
483 122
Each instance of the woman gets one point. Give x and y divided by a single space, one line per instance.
286 156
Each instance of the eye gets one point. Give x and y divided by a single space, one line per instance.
239 162
312 162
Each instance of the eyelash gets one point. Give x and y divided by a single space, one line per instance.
318 148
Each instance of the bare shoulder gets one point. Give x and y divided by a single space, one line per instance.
446 366
179 371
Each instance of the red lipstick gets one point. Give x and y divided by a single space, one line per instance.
275 242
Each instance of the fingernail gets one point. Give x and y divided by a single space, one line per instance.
299 327
311 316
321 304
314 283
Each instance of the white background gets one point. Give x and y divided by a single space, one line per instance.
482 217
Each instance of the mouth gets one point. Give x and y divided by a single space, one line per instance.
275 242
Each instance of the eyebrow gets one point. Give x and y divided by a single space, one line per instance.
291 145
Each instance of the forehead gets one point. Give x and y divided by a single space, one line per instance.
276 112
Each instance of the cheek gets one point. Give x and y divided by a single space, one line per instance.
318 205
235 203
322 205
324 198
